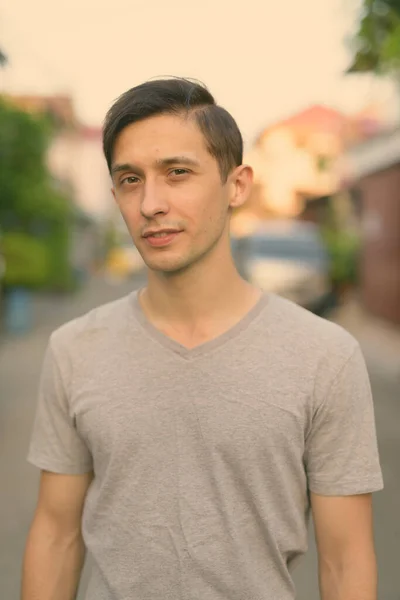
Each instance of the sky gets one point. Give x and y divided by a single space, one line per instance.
262 59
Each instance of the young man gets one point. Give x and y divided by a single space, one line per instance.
185 431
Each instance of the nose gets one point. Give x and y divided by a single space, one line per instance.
154 201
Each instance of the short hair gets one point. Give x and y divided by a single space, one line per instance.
177 96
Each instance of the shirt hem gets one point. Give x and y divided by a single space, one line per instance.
347 489
57 467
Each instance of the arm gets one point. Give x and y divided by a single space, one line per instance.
55 552
343 470
346 556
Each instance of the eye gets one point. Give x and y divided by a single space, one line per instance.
179 172
129 180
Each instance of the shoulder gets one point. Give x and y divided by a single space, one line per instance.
310 336
315 350
96 325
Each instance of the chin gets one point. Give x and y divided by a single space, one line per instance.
174 263
168 266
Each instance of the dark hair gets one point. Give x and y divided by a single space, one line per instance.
177 96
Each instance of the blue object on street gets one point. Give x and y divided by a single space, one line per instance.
18 311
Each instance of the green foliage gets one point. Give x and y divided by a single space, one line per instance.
377 41
26 259
23 143
25 185
344 249
35 216
38 263
60 277
391 49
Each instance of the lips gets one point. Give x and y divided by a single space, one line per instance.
160 234
161 238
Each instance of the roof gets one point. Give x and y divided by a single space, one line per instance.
314 118
317 117
91 133
326 120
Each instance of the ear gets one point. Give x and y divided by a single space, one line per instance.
242 183
113 193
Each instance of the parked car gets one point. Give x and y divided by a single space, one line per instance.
289 259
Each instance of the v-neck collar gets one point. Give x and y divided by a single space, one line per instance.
205 347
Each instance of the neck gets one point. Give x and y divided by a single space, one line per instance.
210 288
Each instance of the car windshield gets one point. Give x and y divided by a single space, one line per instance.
308 249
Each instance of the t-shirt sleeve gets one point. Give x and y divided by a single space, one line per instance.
55 443
341 455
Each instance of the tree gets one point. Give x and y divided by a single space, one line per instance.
34 216
377 41
26 190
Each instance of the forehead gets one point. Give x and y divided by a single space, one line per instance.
160 136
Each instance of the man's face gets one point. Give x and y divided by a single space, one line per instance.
170 193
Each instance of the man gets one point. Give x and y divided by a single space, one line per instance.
184 432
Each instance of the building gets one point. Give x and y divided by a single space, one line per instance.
372 170
76 157
296 160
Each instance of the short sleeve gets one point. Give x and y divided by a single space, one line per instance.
341 454
55 443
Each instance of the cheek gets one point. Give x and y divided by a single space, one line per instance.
214 211
205 205
130 211
209 220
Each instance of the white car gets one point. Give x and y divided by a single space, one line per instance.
288 259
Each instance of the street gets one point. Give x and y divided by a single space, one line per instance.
20 363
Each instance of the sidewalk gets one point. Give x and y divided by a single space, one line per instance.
379 340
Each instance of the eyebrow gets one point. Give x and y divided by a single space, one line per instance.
161 162
182 160
125 167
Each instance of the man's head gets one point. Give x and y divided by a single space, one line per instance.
175 158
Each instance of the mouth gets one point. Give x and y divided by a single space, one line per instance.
161 238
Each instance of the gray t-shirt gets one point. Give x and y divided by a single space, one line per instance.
204 458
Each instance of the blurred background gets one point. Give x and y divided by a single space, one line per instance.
315 89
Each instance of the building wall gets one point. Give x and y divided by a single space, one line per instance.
76 157
380 267
92 179
299 158
287 168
